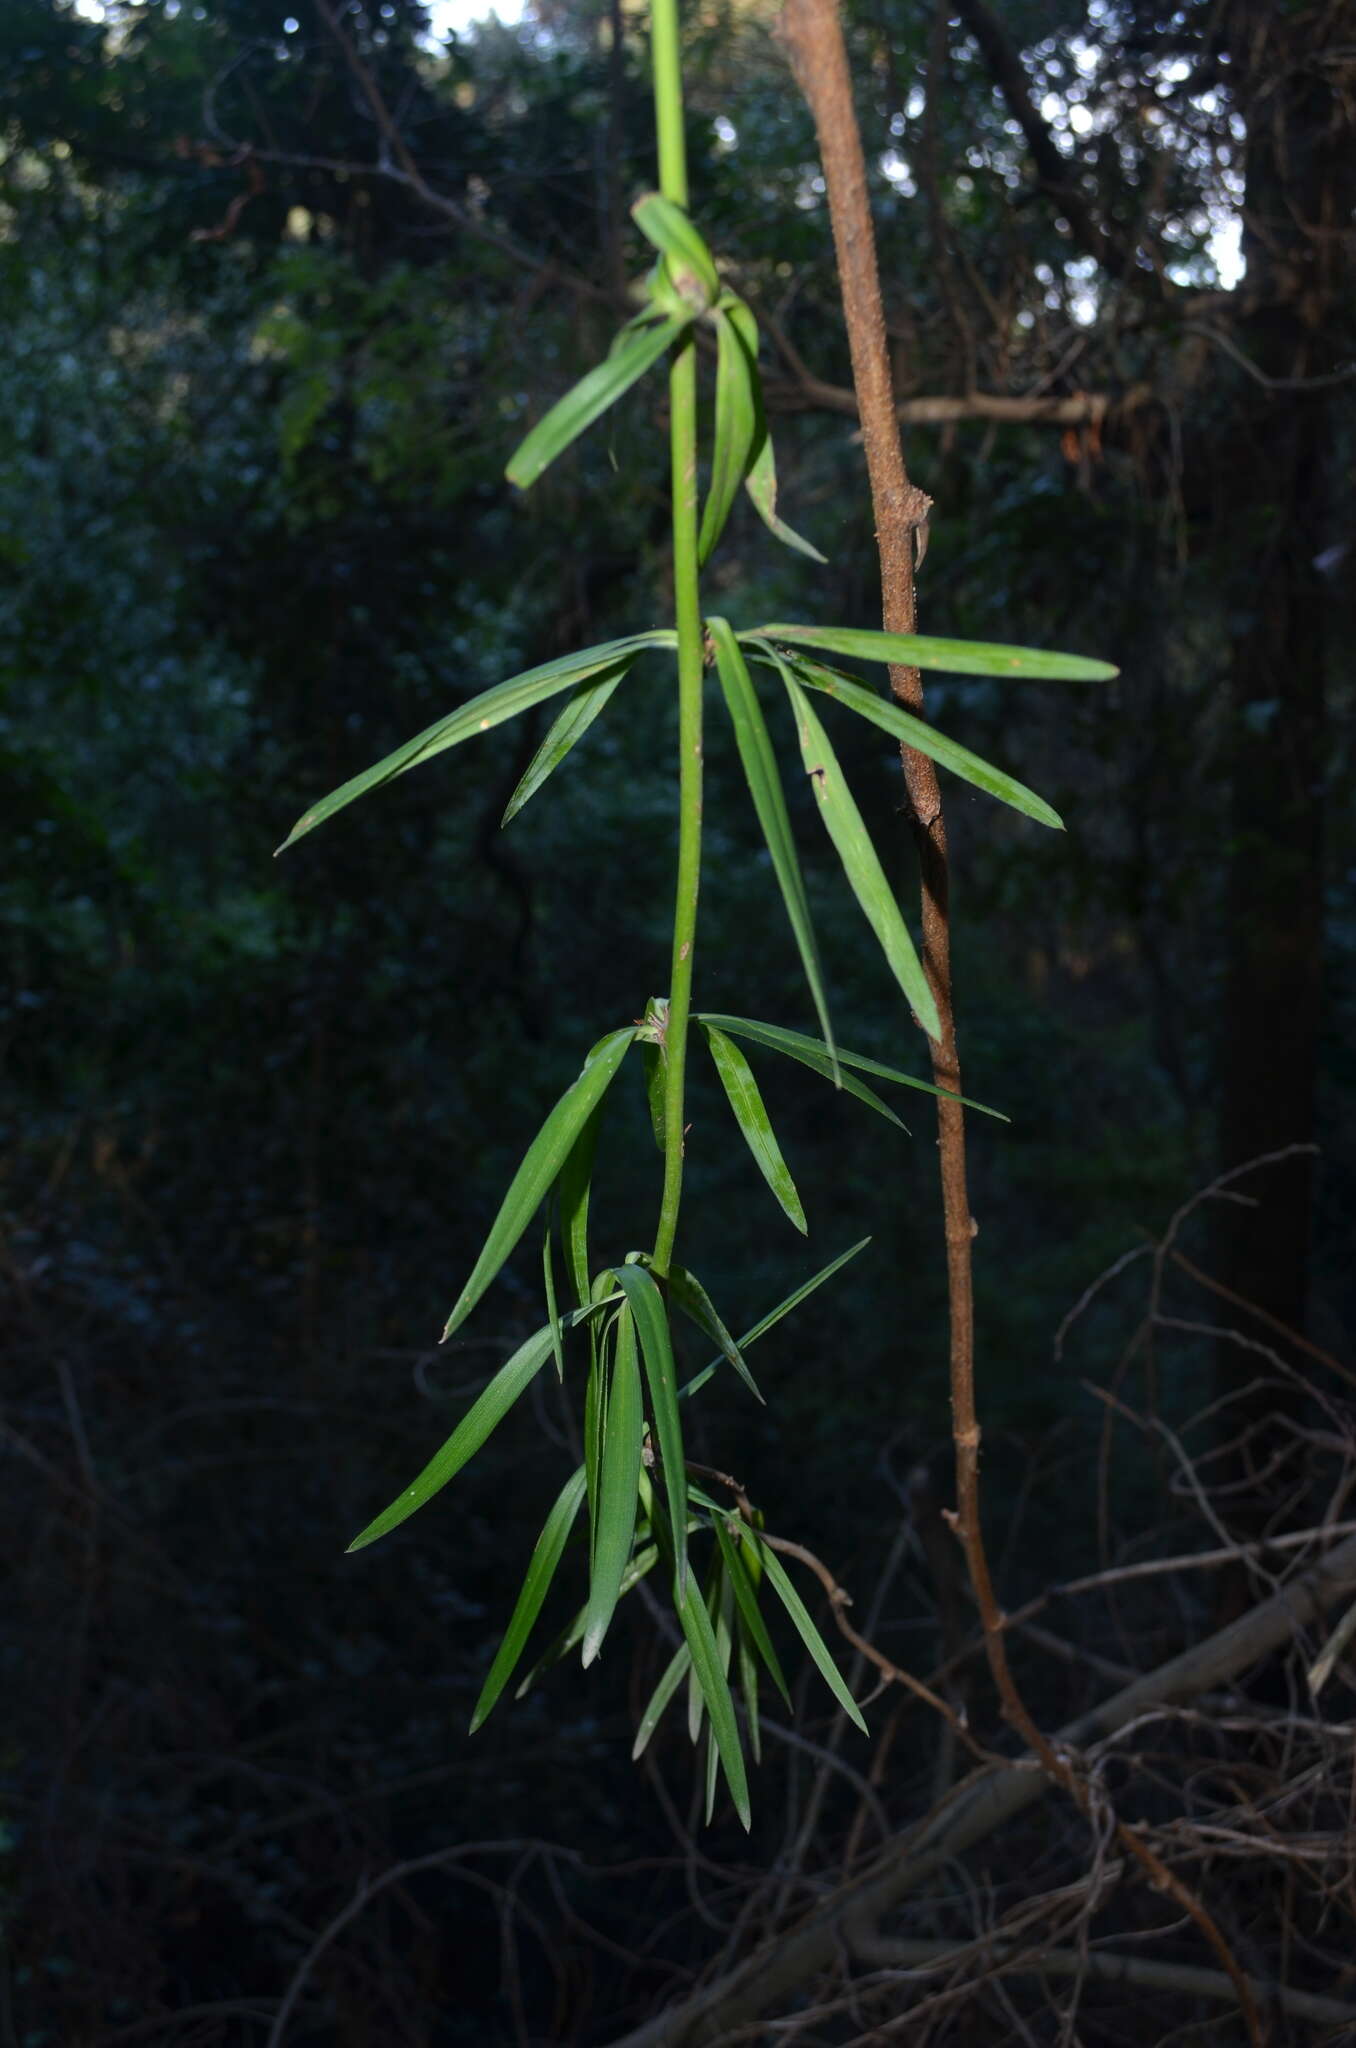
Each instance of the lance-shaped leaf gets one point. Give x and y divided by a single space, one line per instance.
688 1295
590 398
572 1196
652 1327
484 1416
550 1547
742 1587
815 1055
715 1690
489 709
618 1487
811 1053
735 424
809 1634
750 1113
861 863
644 1561
543 1160
956 657
902 725
748 1686
652 1059
675 1671
670 230
761 481
774 1315
765 787
723 1623
548 1274
569 727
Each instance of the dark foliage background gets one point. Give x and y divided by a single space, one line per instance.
257 400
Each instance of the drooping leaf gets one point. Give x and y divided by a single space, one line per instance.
652 1058
489 709
601 1341
669 229
674 1673
811 1053
805 1628
572 1195
715 1690
765 787
723 1623
902 725
618 1486
569 727
861 863
750 1113
590 398
542 1162
569 1638
955 657
661 1373
735 422
774 1315
761 481
548 1274
550 1547
692 1300
485 1414
742 1587
748 1686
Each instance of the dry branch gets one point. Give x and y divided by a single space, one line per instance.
981 1806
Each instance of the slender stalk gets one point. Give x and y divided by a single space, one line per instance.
668 103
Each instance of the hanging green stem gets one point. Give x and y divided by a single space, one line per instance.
668 100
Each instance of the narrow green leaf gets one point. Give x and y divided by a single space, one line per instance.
485 1415
715 1689
761 485
542 1162
691 1298
774 1315
674 1673
761 481
748 1686
552 1310
765 787
595 1418
571 415
570 726
735 423
724 1628
813 1054
902 725
956 657
806 1629
652 1327
861 863
572 1195
644 1561
550 1547
741 1586
618 1485
652 1059
750 1113
489 709
670 230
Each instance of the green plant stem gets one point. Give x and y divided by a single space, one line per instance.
668 103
